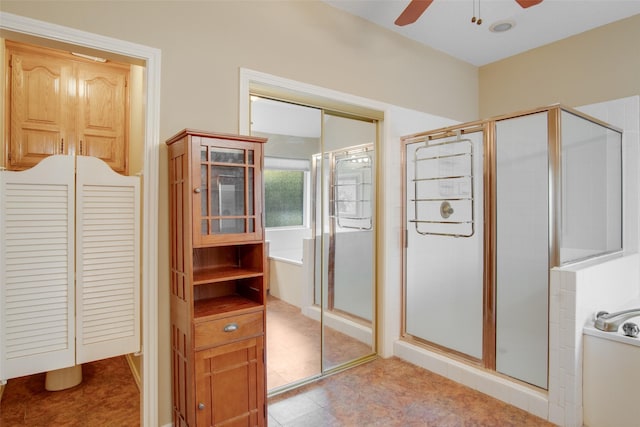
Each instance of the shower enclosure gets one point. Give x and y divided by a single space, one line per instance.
489 208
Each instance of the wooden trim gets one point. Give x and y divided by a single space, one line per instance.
222 136
14 46
134 371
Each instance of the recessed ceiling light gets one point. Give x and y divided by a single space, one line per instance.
501 26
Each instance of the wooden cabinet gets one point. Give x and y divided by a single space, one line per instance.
217 280
62 104
230 384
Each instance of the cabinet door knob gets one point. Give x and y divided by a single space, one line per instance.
196 190
200 406
231 327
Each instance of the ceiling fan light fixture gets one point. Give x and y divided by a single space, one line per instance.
501 26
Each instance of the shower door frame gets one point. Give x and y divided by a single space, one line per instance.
488 127
488 292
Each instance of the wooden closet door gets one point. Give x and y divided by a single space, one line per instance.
103 114
230 385
107 261
37 328
42 110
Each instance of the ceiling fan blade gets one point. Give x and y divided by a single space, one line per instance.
528 3
411 14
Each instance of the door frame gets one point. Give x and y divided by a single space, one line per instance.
11 24
328 99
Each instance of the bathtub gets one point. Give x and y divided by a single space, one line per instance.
611 376
288 274
286 277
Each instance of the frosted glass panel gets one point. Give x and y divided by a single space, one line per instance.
522 264
444 274
352 194
350 243
591 189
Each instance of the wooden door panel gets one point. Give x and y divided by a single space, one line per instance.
213 223
41 118
230 385
103 113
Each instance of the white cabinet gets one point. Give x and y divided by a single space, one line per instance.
610 378
69 265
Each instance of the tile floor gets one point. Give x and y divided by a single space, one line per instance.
392 393
293 345
384 392
107 397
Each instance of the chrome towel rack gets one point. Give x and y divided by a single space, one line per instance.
443 188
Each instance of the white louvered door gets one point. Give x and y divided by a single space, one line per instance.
46 320
107 261
36 286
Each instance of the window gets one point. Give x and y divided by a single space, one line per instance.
285 187
284 198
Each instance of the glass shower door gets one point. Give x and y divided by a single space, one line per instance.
444 253
522 248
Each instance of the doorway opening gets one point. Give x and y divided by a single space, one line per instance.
51 35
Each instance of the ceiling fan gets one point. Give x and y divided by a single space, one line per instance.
417 7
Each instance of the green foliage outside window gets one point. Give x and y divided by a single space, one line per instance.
284 198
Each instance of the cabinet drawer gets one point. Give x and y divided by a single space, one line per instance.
229 329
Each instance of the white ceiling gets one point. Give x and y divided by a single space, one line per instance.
446 24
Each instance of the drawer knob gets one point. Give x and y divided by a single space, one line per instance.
197 190
231 327
200 406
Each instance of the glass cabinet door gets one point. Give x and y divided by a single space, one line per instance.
226 203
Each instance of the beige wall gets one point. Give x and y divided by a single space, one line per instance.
204 44
595 66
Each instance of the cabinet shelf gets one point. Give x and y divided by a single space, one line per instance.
212 308
223 274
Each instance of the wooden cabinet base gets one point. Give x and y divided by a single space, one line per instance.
230 384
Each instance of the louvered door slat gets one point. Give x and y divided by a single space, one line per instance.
37 289
108 287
